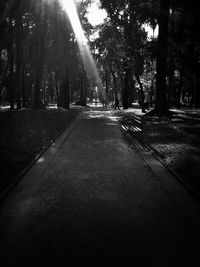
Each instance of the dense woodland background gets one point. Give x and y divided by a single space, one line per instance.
40 61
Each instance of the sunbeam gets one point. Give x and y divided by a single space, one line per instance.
87 58
70 7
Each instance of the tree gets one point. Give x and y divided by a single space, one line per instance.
39 53
128 17
161 100
110 55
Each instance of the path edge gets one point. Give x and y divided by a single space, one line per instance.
57 140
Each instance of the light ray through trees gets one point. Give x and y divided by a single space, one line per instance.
85 52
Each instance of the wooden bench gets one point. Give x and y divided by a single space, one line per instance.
134 125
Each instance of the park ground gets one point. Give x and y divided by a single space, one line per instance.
25 134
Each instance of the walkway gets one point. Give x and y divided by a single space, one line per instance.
91 200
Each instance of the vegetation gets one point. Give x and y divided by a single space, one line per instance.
175 140
171 59
24 135
40 61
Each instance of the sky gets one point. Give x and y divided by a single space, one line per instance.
96 15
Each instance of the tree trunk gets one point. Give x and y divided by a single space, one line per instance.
41 29
114 82
83 88
141 93
161 99
64 94
11 65
50 94
125 90
106 82
131 90
19 59
24 95
38 81
197 86
57 89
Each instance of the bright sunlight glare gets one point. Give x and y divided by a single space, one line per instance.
70 7
95 14
87 58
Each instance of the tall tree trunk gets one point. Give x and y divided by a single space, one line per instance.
141 92
11 64
19 59
114 82
197 86
125 90
180 85
106 82
64 93
57 90
161 99
41 29
83 87
50 86
37 87
171 82
131 91
24 94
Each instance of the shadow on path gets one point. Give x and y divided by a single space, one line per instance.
96 202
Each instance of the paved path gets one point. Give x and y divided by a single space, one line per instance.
91 200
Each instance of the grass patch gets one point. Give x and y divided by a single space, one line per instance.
177 141
26 133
